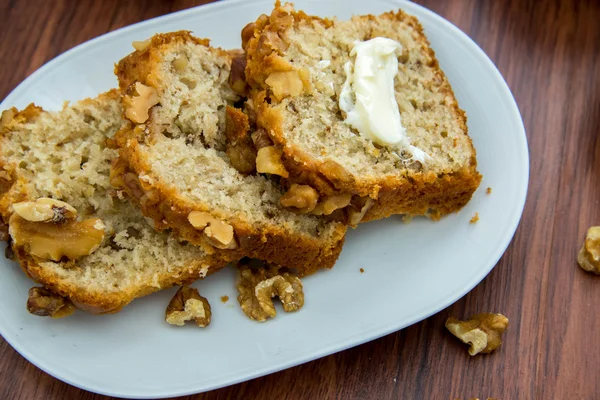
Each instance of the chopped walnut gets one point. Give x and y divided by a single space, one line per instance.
187 305
268 161
140 45
180 63
357 209
237 74
589 255
474 219
138 106
247 34
285 83
257 287
218 233
335 172
332 203
7 116
50 240
482 331
268 42
300 198
261 139
44 303
45 210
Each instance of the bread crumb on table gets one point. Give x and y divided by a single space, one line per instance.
224 299
488 190
475 218
362 270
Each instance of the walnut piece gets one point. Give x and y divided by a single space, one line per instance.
50 240
237 74
140 45
332 203
187 305
285 83
247 34
45 210
268 161
300 198
218 233
261 139
7 116
357 210
257 287
137 106
180 63
482 331
44 303
589 255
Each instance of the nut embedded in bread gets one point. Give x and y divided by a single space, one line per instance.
297 67
193 174
71 232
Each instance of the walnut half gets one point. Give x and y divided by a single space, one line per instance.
188 305
52 232
44 303
257 287
482 331
589 255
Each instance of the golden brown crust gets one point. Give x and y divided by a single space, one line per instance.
137 65
170 211
102 302
410 192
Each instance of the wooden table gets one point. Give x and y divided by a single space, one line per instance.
549 52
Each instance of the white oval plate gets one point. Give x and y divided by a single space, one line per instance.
411 270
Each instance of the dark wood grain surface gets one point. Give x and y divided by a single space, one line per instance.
549 53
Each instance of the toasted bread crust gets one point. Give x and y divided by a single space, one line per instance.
408 192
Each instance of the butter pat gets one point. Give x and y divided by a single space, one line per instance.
374 112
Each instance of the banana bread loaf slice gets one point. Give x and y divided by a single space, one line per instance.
176 165
69 230
386 141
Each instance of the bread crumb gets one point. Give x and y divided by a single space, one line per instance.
407 218
362 270
475 218
488 190
224 299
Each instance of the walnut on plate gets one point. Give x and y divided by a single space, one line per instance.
47 228
188 305
257 287
44 303
482 331
589 255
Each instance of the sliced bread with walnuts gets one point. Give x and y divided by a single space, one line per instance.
296 71
176 159
68 228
